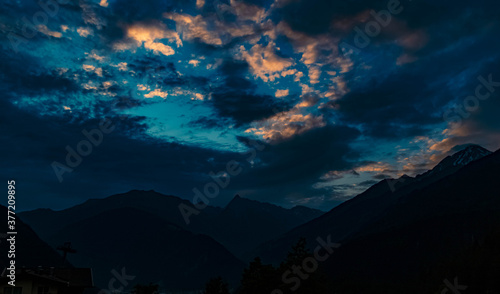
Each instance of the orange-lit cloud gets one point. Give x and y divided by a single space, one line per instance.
156 93
264 62
46 31
378 167
84 32
149 36
194 62
281 93
194 28
285 125
245 11
91 68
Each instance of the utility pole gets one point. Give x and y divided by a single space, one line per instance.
66 248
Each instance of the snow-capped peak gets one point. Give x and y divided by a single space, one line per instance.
458 160
469 154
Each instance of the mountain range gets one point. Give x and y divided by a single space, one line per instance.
147 247
353 215
394 236
394 233
151 222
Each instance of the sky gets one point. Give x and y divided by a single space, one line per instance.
315 100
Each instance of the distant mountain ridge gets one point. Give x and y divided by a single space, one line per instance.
394 231
30 249
243 224
302 212
353 215
47 222
240 226
458 160
391 238
149 248
422 231
445 167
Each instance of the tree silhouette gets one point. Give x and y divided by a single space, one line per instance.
259 278
298 253
314 282
216 286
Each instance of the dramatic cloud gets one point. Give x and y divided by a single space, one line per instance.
265 63
340 94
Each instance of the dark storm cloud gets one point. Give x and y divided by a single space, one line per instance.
146 163
22 73
484 113
153 66
125 12
26 80
237 99
414 97
32 143
243 108
402 106
21 26
311 153
421 29
286 171
130 10
316 16
395 102
154 69
303 158
410 101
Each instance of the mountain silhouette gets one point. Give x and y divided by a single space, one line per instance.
392 239
98 228
454 162
424 229
397 236
245 223
240 226
368 207
47 222
30 249
149 248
